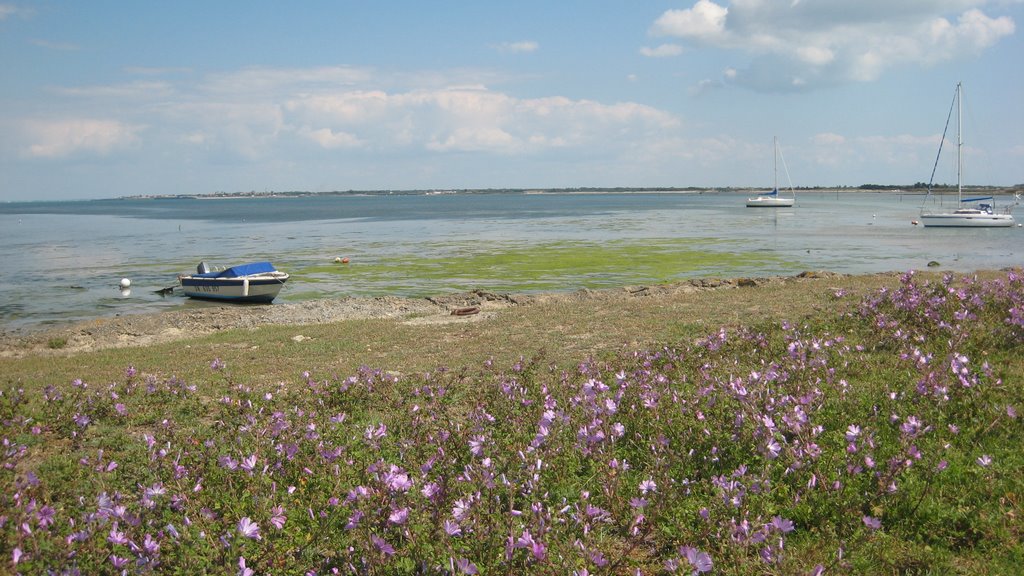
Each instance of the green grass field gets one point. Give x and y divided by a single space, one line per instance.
835 426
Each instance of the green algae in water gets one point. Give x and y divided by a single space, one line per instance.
549 266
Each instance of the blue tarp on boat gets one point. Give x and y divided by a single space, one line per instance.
239 271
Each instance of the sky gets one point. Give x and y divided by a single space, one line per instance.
108 98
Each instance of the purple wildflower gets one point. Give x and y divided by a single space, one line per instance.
244 570
277 517
699 560
461 509
783 525
249 463
465 566
45 516
984 460
526 540
116 536
452 528
377 433
151 546
397 480
476 445
399 517
430 491
382 545
872 523
353 520
248 528
540 551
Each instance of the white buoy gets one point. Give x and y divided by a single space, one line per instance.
125 283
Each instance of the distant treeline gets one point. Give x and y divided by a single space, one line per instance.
924 186
920 186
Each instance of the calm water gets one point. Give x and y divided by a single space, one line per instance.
63 260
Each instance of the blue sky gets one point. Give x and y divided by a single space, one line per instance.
111 98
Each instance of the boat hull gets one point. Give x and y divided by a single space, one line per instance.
246 289
769 202
967 220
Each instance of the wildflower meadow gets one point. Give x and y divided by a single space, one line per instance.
881 436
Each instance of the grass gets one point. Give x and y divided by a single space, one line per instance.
863 425
57 343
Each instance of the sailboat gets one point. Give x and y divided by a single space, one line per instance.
982 214
772 199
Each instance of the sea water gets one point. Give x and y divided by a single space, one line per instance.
63 261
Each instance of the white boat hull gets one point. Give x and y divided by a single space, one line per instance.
256 288
973 220
769 202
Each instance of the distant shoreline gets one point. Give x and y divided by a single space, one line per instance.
914 190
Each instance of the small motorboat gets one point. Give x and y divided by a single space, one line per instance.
253 282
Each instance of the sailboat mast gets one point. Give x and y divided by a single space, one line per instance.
775 143
959 145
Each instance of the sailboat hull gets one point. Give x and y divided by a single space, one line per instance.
769 202
979 220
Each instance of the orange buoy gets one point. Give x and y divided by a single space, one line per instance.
344 260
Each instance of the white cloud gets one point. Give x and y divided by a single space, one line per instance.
7 10
705 20
130 91
339 119
804 44
61 46
521 47
273 81
54 139
469 118
330 139
662 51
827 139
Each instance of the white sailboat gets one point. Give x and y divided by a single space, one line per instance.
981 214
772 199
